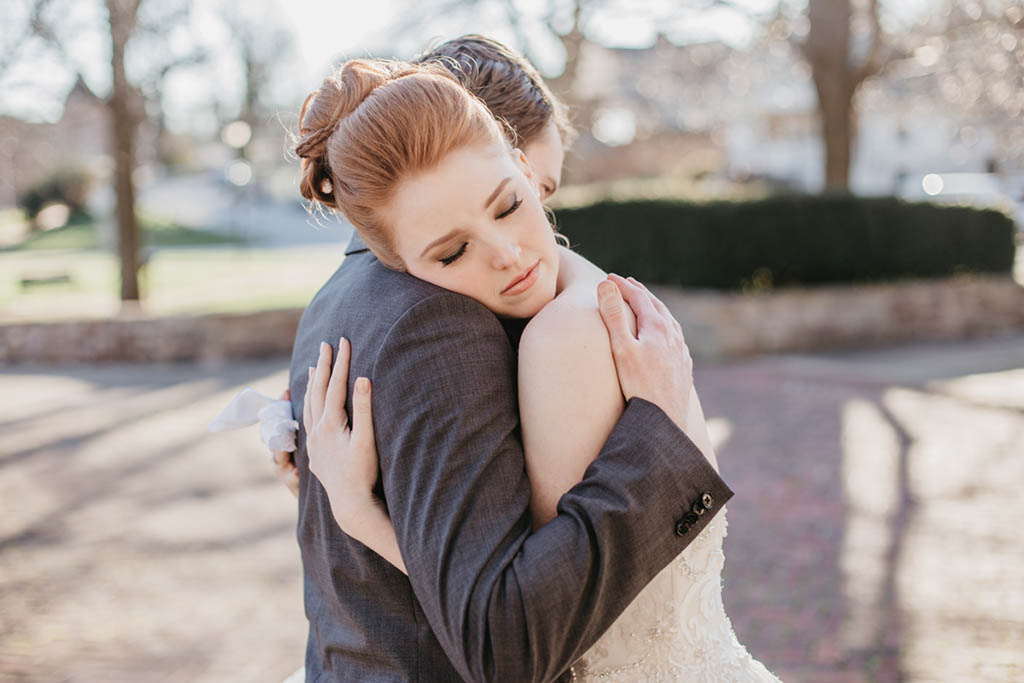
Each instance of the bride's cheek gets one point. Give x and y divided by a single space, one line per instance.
466 283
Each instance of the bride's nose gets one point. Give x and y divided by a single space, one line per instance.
506 254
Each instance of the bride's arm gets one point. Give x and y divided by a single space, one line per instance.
570 400
344 459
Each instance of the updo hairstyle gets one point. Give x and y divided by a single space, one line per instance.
373 123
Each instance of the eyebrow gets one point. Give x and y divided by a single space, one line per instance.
447 236
451 233
494 194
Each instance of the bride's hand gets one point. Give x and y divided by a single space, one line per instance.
344 459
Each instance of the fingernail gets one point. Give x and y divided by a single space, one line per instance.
342 341
323 347
631 279
311 370
362 385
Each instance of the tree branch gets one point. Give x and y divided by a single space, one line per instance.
873 62
32 28
39 27
412 22
158 25
512 14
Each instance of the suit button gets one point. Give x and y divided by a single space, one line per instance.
690 518
682 528
707 501
698 508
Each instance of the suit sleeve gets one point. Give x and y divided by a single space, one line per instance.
505 604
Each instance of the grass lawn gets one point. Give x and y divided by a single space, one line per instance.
81 233
176 281
62 274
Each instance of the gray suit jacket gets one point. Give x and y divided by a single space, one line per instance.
485 599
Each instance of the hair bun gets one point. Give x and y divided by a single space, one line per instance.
337 97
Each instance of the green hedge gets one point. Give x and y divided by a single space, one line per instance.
788 240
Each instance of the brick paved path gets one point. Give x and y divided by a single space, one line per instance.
874 534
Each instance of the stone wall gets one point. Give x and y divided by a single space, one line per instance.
143 339
722 325
716 324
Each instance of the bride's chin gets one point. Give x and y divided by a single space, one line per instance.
543 293
535 307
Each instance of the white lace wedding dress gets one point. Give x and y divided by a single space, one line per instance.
676 629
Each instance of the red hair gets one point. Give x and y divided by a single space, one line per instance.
374 122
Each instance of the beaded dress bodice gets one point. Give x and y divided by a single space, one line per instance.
676 629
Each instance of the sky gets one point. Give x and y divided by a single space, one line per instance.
342 26
325 31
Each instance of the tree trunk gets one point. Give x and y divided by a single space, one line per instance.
565 83
565 87
123 124
835 107
827 49
836 79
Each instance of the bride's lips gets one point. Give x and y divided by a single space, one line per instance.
523 281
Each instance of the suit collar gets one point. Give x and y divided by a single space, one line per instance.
356 244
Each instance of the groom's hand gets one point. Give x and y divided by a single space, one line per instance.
655 364
284 466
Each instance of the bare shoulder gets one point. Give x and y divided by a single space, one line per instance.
570 324
569 395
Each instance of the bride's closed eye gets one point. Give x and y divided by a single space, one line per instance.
448 260
516 201
452 258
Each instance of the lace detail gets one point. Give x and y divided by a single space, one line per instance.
676 629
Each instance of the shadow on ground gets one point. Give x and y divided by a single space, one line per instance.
873 535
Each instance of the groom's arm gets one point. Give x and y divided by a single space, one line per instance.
504 604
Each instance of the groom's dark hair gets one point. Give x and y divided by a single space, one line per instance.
507 83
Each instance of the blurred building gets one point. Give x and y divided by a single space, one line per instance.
752 114
78 141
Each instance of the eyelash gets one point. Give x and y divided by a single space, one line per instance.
448 260
515 205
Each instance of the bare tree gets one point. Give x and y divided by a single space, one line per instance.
151 34
968 58
568 22
261 48
123 124
35 25
844 46
572 42
961 56
124 22
837 75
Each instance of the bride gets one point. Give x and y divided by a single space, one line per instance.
465 224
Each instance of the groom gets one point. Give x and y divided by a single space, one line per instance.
484 599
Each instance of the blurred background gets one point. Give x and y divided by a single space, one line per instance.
829 194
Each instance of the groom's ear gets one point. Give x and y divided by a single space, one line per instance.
523 162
